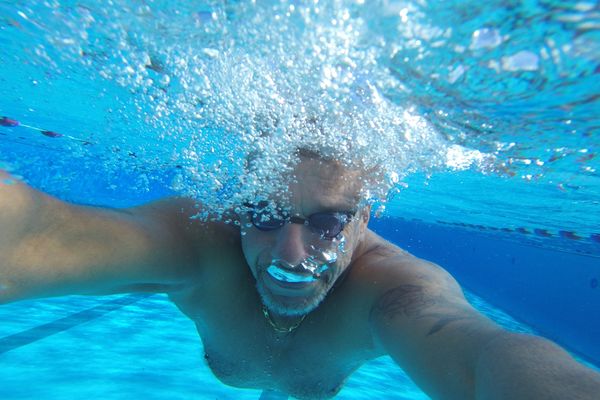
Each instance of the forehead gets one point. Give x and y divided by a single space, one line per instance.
317 185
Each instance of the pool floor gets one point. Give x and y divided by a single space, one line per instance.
127 346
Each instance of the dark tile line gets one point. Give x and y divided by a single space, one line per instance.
23 338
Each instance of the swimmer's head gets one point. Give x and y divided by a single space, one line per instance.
299 243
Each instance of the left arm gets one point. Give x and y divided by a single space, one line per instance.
453 352
528 367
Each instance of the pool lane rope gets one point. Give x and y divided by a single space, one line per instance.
543 233
13 123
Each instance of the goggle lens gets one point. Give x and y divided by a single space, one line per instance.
327 224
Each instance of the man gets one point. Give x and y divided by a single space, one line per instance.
292 297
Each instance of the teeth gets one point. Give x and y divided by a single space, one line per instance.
287 276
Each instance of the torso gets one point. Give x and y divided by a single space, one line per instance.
313 361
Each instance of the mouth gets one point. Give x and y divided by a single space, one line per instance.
289 282
303 274
287 276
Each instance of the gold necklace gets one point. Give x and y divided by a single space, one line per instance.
277 328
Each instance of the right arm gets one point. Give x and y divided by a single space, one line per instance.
50 248
452 351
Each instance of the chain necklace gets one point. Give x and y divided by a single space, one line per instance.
279 329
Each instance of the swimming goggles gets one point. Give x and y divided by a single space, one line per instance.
327 225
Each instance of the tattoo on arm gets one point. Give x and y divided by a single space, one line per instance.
404 300
413 301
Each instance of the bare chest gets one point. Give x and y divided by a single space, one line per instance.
312 362
303 363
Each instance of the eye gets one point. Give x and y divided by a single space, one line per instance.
328 225
264 219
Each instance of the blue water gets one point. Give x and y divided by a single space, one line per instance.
128 346
144 349
126 86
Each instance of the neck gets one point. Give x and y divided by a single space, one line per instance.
282 323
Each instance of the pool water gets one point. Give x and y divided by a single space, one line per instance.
132 346
482 115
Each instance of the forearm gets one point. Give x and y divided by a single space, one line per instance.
17 205
20 211
20 208
526 367
51 248
36 259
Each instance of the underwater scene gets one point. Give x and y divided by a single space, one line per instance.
479 120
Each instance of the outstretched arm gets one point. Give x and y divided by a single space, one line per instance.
453 352
50 248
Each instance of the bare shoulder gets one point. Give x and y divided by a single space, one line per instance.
415 296
421 318
189 222
391 269
192 231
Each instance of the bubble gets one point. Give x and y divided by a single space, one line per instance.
229 92
521 61
329 256
165 80
342 244
485 38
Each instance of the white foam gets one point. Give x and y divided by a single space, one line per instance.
219 83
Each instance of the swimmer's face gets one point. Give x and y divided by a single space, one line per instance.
295 265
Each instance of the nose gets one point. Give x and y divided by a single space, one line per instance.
291 244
